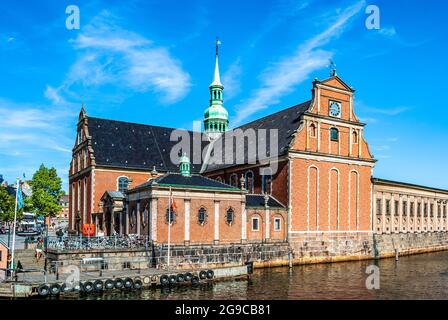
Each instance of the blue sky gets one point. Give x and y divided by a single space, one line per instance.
152 61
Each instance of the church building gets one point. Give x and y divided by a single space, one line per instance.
321 193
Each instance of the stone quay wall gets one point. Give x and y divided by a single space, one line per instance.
181 257
409 243
302 249
347 246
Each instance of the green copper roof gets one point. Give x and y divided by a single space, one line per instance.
216 112
216 76
185 166
216 117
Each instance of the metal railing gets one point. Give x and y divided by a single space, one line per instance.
19 275
98 243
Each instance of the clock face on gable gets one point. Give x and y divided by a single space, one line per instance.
335 109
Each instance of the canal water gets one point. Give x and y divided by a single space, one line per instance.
415 277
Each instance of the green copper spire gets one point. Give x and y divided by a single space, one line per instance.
185 166
216 117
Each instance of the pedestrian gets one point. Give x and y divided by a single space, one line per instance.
39 249
60 234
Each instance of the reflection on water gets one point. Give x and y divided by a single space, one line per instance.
416 277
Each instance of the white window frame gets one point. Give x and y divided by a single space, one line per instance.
258 224
279 224
118 181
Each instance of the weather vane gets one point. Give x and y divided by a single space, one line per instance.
218 43
332 68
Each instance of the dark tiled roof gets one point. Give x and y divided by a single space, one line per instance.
257 201
195 181
133 146
137 146
285 121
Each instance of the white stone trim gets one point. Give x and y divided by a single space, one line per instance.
295 154
330 88
117 183
350 198
336 122
84 201
252 223
326 232
216 225
268 223
329 198
243 221
317 198
127 218
187 220
138 218
154 219
92 190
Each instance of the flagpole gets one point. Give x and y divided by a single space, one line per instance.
169 229
14 227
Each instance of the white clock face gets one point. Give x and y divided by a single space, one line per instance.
335 109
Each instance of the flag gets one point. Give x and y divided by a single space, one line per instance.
19 197
173 205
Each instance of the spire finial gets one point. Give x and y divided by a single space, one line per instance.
218 43
216 75
333 72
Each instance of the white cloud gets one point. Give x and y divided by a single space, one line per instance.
53 95
388 31
283 76
387 111
232 79
111 55
30 130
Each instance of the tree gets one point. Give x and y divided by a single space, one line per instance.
47 190
7 205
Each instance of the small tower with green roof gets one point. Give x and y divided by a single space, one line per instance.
216 117
185 166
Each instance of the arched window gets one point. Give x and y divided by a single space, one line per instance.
355 136
230 216
234 180
266 181
250 181
334 134
202 215
123 184
313 130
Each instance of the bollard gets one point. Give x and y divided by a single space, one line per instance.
396 254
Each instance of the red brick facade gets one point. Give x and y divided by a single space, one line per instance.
323 182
